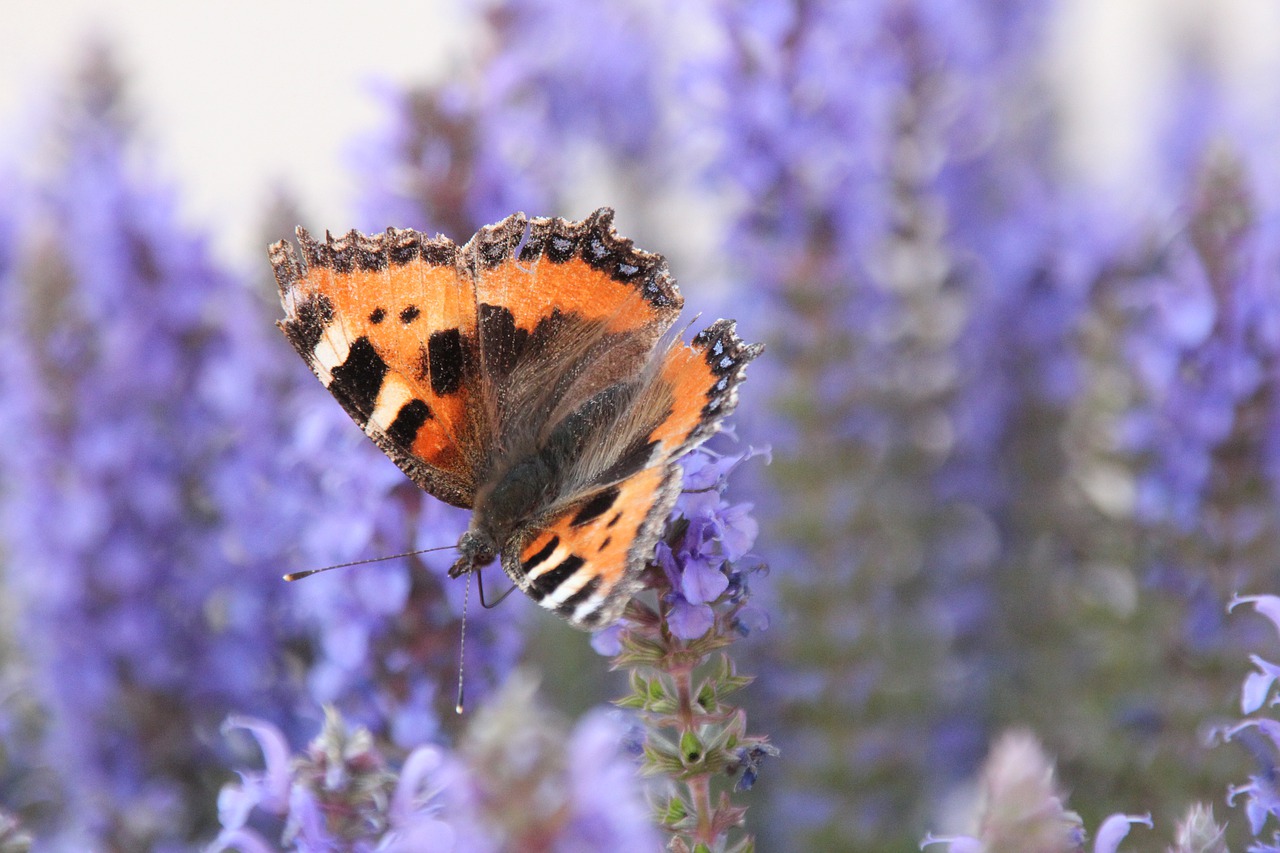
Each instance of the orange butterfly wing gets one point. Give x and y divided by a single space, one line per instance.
586 561
384 322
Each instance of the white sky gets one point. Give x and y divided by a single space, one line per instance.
241 96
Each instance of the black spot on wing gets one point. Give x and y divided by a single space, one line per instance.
410 314
547 583
410 418
571 603
446 358
377 316
359 379
596 507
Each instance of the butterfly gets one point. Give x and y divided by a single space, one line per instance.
530 375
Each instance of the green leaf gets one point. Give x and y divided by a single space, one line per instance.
676 811
691 748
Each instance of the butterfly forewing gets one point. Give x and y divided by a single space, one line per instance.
574 268
388 325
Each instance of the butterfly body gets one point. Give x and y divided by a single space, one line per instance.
528 375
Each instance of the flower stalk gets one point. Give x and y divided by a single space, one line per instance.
683 680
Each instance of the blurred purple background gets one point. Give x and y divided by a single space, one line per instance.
1017 264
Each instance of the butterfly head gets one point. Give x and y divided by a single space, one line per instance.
476 549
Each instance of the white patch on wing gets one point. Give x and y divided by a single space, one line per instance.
391 397
330 352
591 605
556 557
572 584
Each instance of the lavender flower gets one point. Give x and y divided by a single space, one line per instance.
131 407
338 795
518 781
386 636
1261 796
894 230
1005 408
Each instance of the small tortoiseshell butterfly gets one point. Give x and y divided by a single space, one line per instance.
526 375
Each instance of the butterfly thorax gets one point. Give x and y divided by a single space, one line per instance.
513 501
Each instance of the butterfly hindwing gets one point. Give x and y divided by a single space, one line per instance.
586 563
585 560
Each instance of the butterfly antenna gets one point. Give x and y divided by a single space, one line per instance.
306 573
462 644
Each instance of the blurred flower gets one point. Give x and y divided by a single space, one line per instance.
1198 832
13 839
556 78
1261 794
535 785
338 795
130 447
1022 810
